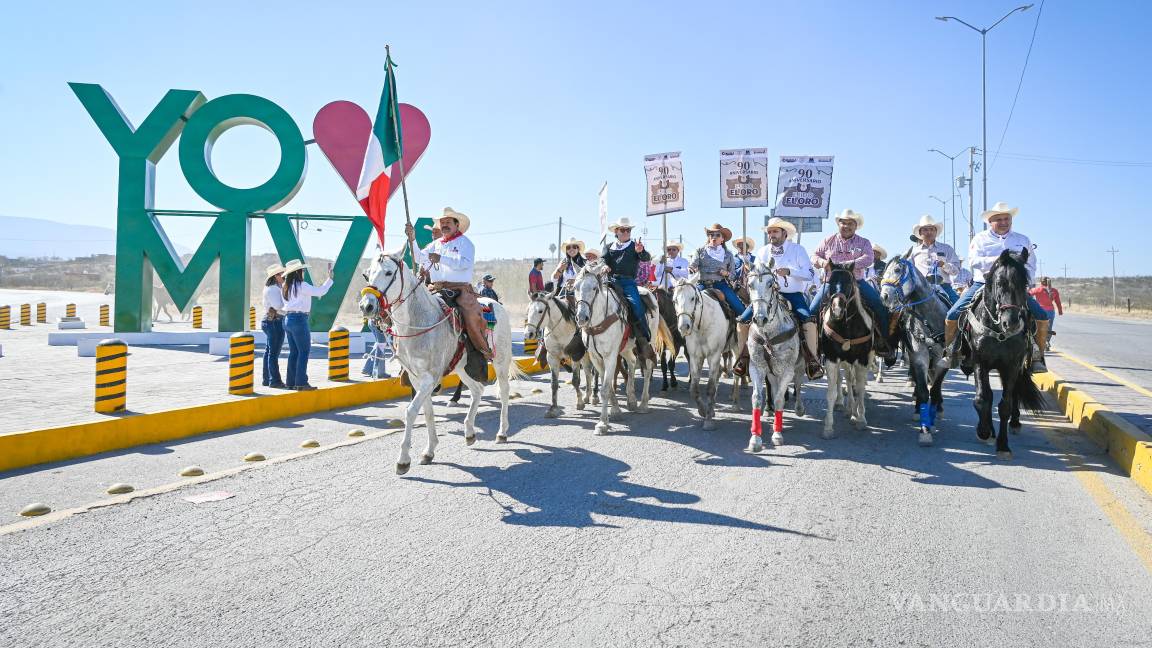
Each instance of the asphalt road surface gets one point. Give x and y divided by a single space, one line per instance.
660 534
1122 346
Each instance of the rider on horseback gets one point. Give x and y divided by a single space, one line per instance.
623 257
717 266
744 258
983 251
934 258
794 270
565 273
674 266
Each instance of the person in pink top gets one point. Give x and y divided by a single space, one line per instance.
846 246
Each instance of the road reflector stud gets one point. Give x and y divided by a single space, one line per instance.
395 423
537 390
120 489
356 433
35 509
309 443
254 456
192 471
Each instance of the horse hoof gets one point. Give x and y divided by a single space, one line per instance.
425 459
991 440
602 429
1004 455
755 446
777 439
925 439
501 438
553 412
643 409
470 440
709 424
828 434
402 468
1014 427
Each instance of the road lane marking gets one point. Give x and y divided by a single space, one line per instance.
1107 374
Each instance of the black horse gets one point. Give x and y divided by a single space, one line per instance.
668 357
995 334
845 342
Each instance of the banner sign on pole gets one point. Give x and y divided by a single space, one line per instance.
665 175
804 186
604 212
744 178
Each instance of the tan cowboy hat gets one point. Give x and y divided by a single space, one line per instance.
927 221
463 219
294 265
746 242
623 222
573 241
848 214
717 227
274 270
999 208
676 244
780 223
879 252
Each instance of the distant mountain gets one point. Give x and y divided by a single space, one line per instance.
37 238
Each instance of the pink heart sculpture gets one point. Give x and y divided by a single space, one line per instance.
342 130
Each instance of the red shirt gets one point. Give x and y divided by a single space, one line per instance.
535 281
1049 298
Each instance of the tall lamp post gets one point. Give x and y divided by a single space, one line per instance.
984 83
943 208
952 182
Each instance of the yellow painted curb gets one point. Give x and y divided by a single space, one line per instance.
28 448
1125 443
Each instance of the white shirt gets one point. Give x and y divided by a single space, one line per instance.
273 298
457 256
963 279
986 247
792 256
925 257
679 271
301 300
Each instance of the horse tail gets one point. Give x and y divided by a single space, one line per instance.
515 372
663 337
1027 394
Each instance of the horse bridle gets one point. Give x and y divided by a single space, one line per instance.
697 306
904 280
759 275
543 314
995 326
386 306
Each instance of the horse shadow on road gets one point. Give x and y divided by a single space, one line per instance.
568 487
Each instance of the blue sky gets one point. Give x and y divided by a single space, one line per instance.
534 105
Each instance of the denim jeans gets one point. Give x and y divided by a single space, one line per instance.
274 335
950 291
632 294
299 346
871 299
1051 320
796 300
730 296
378 354
961 304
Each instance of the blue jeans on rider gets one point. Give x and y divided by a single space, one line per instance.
274 342
797 301
868 294
299 346
734 302
950 291
632 294
961 304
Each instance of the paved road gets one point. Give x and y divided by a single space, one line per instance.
1122 346
660 534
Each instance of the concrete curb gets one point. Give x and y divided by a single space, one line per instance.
32 447
1125 443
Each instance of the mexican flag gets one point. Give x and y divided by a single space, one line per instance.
384 148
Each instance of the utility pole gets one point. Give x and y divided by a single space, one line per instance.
1065 266
559 237
971 205
1113 252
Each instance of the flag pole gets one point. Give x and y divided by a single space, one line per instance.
399 144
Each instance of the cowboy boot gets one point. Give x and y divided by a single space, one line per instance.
811 349
1041 344
741 366
951 328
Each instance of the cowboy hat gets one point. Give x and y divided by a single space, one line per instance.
879 252
592 253
676 244
462 219
999 208
294 265
274 270
622 223
780 223
745 241
716 227
927 221
573 241
848 214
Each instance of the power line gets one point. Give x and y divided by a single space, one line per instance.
1027 157
1035 28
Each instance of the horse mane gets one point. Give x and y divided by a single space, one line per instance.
565 312
1015 263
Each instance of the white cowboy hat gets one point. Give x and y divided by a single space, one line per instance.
623 222
274 270
927 221
848 214
999 208
294 265
463 219
746 241
573 241
879 252
676 244
780 223
593 253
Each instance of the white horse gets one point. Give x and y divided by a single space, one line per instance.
550 318
603 318
774 353
700 319
426 339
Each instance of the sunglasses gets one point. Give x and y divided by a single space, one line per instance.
715 234
572 247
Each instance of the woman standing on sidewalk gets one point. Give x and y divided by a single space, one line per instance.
273 326
298 295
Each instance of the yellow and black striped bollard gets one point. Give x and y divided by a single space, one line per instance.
338 353
251 318
25 314
5 317
70 310
530 346
197 317
111 376
241 353
41 313
104 315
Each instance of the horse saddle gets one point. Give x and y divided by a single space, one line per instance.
716 294
475 364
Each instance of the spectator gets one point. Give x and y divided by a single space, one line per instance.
376 360
536 277
1049 299
298 295
273 326
487 289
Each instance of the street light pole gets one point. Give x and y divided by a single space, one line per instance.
984 84
943 207
1113 252
952 183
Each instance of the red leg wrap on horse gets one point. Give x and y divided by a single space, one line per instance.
756 421
778 422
